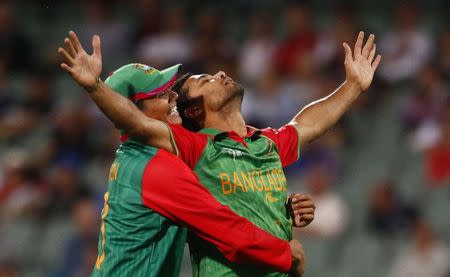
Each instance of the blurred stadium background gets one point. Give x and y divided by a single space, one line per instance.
381 177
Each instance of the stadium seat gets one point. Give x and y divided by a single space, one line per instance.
360 257
435 203
316 256
53 242
18 239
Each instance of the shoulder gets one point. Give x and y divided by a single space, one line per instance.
179 130
273 132
131 160
132 148
286 134
189 145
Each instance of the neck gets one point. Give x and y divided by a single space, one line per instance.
231 121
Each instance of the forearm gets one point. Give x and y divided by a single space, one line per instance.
85 70
316 118
234 236
176 193
124 114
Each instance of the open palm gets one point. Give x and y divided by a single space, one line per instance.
360 67
85 69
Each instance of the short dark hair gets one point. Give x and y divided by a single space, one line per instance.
185 102
178 84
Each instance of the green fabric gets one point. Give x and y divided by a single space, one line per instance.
138 81
135 78
134 239
252 183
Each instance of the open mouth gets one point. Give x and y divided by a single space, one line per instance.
228 81
173 111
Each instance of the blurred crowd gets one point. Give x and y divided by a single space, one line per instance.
56 147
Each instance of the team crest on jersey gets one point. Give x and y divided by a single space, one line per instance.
232 152
147 69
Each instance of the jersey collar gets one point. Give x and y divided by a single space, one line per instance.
217 135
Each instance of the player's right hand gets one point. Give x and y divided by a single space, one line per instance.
85 69
298 258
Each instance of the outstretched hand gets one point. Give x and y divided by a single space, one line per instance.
85 69
361 65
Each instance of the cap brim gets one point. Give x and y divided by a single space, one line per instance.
168 75
170 72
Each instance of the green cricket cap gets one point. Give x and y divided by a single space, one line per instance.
139 81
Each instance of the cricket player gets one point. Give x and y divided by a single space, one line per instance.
243 166
150 190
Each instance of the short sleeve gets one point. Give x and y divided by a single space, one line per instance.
189 145
287 141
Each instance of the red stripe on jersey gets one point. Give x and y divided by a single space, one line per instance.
190 145
286 139
171 189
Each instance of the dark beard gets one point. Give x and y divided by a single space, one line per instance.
234 100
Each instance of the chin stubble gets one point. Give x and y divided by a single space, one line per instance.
234 100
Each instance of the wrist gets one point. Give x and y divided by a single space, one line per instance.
353 85
295 268
94 87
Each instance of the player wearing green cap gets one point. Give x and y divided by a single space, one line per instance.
243 166
149 189
229 154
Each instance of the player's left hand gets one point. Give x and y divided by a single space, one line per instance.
361 65
301 208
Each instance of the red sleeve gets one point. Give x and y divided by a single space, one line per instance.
190 145
171 189
286 139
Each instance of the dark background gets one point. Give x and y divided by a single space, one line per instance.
380 178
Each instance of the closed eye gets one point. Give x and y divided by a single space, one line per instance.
210 80
203 79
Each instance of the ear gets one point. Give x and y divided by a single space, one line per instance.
193 112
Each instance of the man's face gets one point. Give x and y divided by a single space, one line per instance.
162 107
216 90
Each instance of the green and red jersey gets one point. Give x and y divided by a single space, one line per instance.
246 174
152 195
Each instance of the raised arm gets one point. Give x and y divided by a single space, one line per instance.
316 118
85 69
